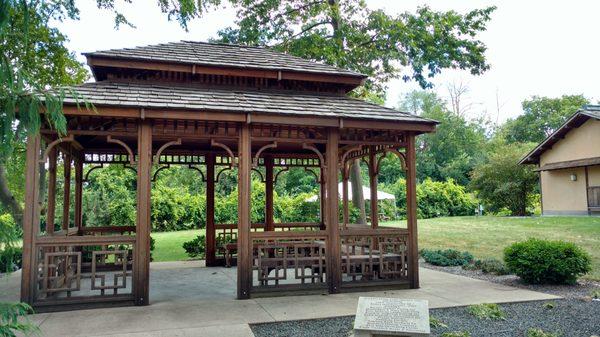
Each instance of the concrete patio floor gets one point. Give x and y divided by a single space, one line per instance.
189 300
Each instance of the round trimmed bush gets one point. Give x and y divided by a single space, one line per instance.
541 261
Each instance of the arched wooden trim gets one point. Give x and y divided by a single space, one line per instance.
317 177
69 138
158 170
227 149
311 147
260 151
399 154
191 166
87 174
226 168
345 154
346 170
162 148
284 169
262 177
110 139
129 167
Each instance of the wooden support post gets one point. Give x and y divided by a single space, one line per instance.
322 197
141 268
345 198
411 212
373 186
51 210
31 219
79 193
334 275
269 222
66 190
211 239
244 268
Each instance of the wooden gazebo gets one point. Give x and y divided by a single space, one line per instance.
216 107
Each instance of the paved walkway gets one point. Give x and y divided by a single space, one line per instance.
190 301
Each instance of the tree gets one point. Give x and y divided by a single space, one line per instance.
414 46
541 117
456 146
501 183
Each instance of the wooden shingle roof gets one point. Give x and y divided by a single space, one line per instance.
223 55
576 120
140 95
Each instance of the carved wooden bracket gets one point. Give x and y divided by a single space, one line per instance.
343 162
317 177
129 167
162 148
158 170
322 163
262 177
109 139
284 169
260 151
226 148
69 138
191 166
87 174
399 154
226 168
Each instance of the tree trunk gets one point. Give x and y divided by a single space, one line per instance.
8 200
358 199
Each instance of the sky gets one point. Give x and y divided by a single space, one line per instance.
543 48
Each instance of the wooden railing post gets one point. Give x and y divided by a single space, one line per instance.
141 269
31 219
211 239
411 212
334 275
244 267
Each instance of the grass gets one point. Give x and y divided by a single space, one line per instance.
484 237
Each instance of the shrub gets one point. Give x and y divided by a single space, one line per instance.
195 247
436 323
489 266
448 257
540 261
541 333
10 259
487 311
549 305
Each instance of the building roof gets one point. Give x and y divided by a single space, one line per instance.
577 119
141 95
222 55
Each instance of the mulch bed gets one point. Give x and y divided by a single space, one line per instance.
569 317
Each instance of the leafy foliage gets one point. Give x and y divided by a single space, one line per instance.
456 334
347 34
13 320
501 182
448 257
489 266
541 117
535 332
436 323
538 261
489 311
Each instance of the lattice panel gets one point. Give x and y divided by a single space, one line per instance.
80 270
376 257
288 262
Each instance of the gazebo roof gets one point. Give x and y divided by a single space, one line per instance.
223 55
240 100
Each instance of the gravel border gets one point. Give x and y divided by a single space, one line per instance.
582 289
569 317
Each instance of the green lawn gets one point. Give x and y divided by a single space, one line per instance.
482 236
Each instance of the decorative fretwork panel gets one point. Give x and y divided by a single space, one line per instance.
281 259
374 255
83 267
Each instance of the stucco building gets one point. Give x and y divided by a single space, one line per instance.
569 165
